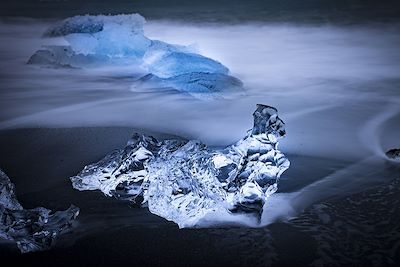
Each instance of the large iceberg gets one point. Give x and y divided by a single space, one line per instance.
95 41
183 181
33 229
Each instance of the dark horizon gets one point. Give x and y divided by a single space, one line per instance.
342 11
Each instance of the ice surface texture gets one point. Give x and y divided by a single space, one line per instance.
183 181
34 229
393 154
119 40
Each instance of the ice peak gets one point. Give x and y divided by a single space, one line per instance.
266 121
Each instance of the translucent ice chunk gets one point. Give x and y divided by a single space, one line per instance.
96 41
122 172
34 229
182 180
166 65
118 36
195 83
8 200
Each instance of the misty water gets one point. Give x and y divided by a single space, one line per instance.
336 87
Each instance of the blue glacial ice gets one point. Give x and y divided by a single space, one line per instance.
183 181
34 229
196 83
97 41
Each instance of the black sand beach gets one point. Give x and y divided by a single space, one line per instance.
110 232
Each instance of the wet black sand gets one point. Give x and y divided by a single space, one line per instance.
110 232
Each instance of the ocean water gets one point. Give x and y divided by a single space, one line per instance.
336 86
